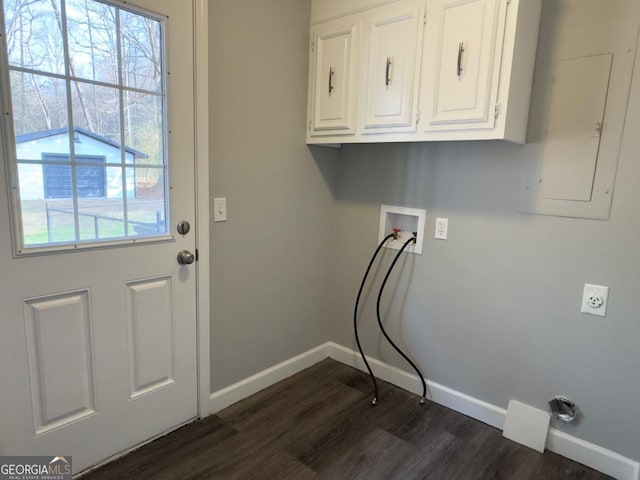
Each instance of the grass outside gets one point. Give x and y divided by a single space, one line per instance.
99 219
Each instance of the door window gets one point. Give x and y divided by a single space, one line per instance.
88 129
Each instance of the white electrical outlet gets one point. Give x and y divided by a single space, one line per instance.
594 300
442 228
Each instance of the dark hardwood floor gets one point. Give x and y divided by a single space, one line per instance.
320 424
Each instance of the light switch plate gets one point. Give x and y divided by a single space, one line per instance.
219 209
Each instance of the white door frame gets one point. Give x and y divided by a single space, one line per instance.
201 76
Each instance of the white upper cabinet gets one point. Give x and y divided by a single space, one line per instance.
457 70
477 69
463 46
333 77
392 39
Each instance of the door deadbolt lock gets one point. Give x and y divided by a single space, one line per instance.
185 257
183 227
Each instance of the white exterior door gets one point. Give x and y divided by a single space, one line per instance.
98 338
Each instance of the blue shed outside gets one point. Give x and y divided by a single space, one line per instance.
52 179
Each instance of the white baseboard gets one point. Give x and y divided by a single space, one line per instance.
483 411
261 380
568 446
592 455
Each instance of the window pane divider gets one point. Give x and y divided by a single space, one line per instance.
86 81
123 153
72 149
81 163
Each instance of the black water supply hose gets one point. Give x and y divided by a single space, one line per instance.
384 332
355 314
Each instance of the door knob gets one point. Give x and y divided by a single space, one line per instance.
185 257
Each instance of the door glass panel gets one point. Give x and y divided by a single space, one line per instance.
144 126
141 52
34 35
39 104
89 132
48 221
44 221
96 109
92 40
102 217
145 209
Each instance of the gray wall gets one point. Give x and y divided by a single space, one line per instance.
270 274
494 311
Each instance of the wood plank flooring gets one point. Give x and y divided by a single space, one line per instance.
319 424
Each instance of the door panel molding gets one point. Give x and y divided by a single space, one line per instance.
150 322
60 349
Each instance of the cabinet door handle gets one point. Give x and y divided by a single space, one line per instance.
387 76
331 73
459 65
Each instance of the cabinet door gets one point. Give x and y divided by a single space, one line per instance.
463 47
393 36
333 77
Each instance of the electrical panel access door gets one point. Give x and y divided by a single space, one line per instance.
393 36
333 98
463 47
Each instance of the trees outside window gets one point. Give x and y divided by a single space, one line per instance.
95 67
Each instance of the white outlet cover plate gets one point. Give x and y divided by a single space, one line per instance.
442 228
595 290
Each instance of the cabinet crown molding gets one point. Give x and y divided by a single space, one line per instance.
324 10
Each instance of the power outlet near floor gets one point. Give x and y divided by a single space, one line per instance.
595 299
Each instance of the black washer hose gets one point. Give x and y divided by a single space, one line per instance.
384 332
355 315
